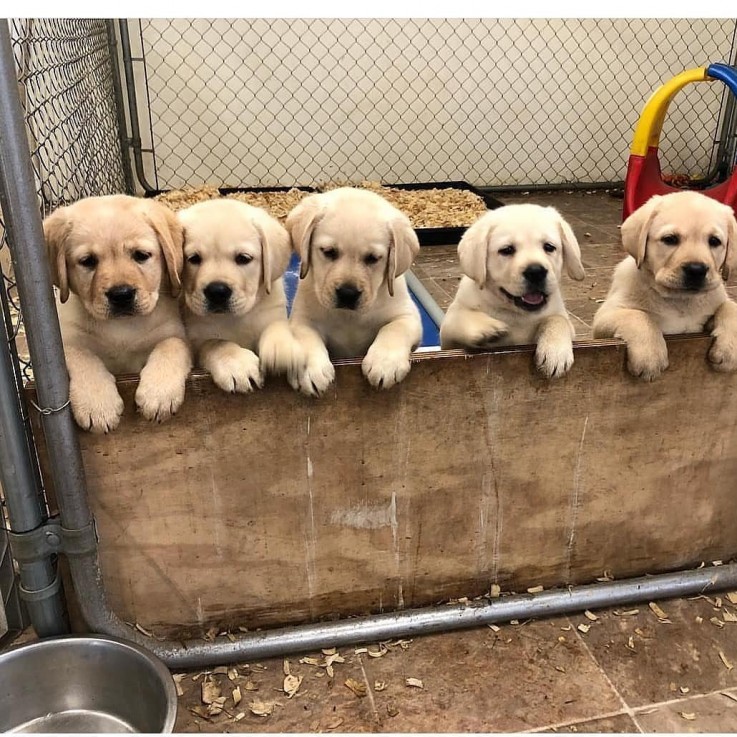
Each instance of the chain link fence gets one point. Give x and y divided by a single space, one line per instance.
493 102
66 81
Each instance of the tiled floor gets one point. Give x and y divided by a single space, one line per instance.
629 672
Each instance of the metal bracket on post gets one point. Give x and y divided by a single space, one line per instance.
51 539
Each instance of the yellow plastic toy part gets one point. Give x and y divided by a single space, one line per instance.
650 125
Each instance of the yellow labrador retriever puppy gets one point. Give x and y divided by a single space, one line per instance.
234 301
353 300
512 259
680 246
117 261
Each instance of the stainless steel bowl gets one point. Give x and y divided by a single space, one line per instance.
85 684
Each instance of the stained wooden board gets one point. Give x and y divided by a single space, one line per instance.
274 508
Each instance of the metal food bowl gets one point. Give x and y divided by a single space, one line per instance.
85 684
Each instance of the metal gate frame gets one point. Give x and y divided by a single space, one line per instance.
72 534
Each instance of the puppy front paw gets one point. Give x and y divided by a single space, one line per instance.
488 333
314 379
239 371
384 368
723 352
158 398
97 409
281 353
554 358
647 361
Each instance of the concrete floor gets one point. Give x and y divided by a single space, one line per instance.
619 670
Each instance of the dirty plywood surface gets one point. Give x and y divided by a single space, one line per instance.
274 508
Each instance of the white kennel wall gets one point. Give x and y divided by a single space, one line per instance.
494 102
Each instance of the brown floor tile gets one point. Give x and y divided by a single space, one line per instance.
620 723
522 677
712 713
665 656
322 703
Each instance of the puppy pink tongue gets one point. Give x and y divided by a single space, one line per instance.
533 298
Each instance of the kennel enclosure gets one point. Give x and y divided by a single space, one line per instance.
399 521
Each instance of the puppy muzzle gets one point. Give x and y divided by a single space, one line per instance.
121 300
347 297
217 296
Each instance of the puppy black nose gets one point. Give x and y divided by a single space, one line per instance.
694 273
535 273
347 296
121 295
217 292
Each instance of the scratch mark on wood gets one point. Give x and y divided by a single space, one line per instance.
575 499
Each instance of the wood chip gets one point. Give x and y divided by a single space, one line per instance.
724 660
360 650
262 708
560 669
684 689
249 685
237 696
239 716
210 691
658 612
143 631
567 628
334 723
414 683
729 616
699 620
285 667
626 612
631 643
359 689
590 615
716 622
583 628
379 685
292 684
732 597
211 634
495 591
494 628
535 589
310 661
329 651
177 683
216 707
232 674
689 715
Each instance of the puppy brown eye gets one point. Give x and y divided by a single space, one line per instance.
508 251
371 259
671 240
243 258
141 256
549 248
331 254
89 262
195 259
715 242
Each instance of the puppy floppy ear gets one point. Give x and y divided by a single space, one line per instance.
170 234
636 227
300 223
730 257
57 227
275 248
403 247
473 247
571 249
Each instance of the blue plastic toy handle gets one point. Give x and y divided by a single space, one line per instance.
724 73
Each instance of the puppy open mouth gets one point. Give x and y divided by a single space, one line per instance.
531 301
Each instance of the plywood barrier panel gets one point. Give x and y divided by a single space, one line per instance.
274 508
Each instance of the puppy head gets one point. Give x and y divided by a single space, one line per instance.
233 253
685 239
116 253
353 243
519 251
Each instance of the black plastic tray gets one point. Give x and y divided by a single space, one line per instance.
446 236
426 236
